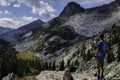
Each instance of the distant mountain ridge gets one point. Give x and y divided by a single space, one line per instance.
4 30
12 35
31 25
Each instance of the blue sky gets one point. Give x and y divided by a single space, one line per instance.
16 13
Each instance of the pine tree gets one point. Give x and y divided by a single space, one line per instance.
84 56
39 66
46 66
50 66
76 62
88 56
54 67
118 57
110 55
118 53
62 65
83 51
68 62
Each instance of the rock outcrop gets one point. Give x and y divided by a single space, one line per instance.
112 71
58 75
10 76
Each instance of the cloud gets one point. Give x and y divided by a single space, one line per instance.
1 12
15 22
86 3
45 10
38 3
16 5
5 2
94 3
5 12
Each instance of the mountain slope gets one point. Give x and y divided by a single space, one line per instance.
95 20
13 35
4 30
80 55
75 24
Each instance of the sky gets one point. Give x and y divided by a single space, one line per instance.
16 13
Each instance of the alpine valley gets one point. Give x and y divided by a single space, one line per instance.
48 48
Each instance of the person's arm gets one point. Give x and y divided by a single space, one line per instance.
96 52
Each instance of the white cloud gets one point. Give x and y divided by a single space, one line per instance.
16 5
1 12
28 18
5 2
86 3
15 22
5 12
93 3
45 10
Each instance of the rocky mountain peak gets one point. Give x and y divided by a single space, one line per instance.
71 9
117 0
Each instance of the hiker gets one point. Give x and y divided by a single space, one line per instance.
100 55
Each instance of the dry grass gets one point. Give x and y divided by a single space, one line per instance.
26 56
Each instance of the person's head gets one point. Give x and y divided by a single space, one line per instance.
101 36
